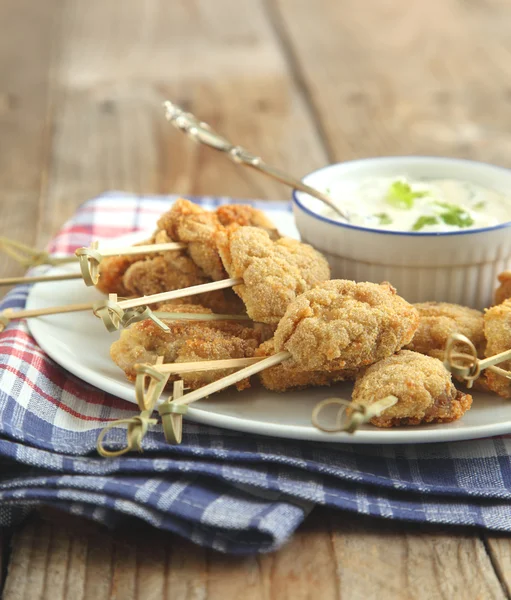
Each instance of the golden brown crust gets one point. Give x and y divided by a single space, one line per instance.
186 341
422 385
247 216
171 271
189 223
113 268
274 273
497 328
341 324
289 376
438 320
503 292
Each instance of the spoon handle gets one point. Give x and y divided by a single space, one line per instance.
202 132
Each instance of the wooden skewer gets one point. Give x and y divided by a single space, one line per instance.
41 312
499 371
173 409
31 257
228 380
205 365
471 366
90 258
176 406
9 314
174 294
145 249
494 360
174 316
361 413
39 279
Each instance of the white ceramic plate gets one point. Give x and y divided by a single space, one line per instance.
80 343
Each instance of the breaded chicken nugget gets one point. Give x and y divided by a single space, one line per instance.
341 324
438 320
189 223
290 376
144 342
113 268
503 292
247 216
274 273
497 328
422 385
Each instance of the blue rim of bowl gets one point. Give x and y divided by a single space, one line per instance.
402 233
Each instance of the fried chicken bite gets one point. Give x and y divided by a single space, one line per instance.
422 385
290 376
497 329
503 292
246 216
438 320
113 268
173 271
144 342
189 223
341 324
274 273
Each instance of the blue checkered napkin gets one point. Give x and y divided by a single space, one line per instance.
236 493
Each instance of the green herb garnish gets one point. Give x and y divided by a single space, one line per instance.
383 218
479 205
455 215
423 221
401 195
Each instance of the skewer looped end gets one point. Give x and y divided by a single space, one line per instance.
89 259
148 392
141 313
467 365
109 312
172 415
360 413
137 428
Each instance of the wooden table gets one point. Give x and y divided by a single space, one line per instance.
303 83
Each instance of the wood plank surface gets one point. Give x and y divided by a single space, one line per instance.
114 66
80 113
27 31
332 556
391 77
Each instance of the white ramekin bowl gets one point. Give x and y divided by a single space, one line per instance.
459 267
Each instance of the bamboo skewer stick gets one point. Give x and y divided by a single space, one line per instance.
31 257
39 279
143 249
205 365
90 258
176 405
113 312
175 294
469 366
228 380
172 316
9 314
361 414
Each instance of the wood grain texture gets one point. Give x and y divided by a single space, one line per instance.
27 31
332 556
115 64
390 77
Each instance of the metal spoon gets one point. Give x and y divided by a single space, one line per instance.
202 132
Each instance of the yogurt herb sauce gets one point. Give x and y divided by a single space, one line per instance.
401 204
